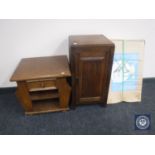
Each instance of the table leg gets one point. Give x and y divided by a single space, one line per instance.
23 96
64 92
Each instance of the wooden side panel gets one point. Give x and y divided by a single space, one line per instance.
23 96
72 60
108 76
64 92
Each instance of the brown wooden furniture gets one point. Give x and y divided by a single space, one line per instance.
42 85
91 58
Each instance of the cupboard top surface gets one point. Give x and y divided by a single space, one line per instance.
41 67
82 40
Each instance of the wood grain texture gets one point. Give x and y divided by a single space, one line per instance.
91 63
43 88
64 92
42 95
41 67
45 107
23 96
41 84
84 40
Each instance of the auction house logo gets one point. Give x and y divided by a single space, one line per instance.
142 122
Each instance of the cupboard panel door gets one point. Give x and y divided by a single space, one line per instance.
91 59
91 77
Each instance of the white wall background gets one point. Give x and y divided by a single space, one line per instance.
30 38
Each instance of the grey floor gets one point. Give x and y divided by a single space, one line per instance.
115 119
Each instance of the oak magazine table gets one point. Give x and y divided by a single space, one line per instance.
42 84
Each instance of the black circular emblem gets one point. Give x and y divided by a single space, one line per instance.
142 122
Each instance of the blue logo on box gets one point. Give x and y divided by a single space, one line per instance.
125 71
142 122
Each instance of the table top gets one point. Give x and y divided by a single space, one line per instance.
83 40
41 67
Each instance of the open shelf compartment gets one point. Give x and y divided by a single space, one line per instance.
45 106
43 95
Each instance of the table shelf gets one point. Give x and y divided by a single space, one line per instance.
44 106
42 89
42 95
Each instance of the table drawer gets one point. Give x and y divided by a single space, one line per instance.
40 84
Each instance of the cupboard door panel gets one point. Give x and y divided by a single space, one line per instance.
90 62
91 77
